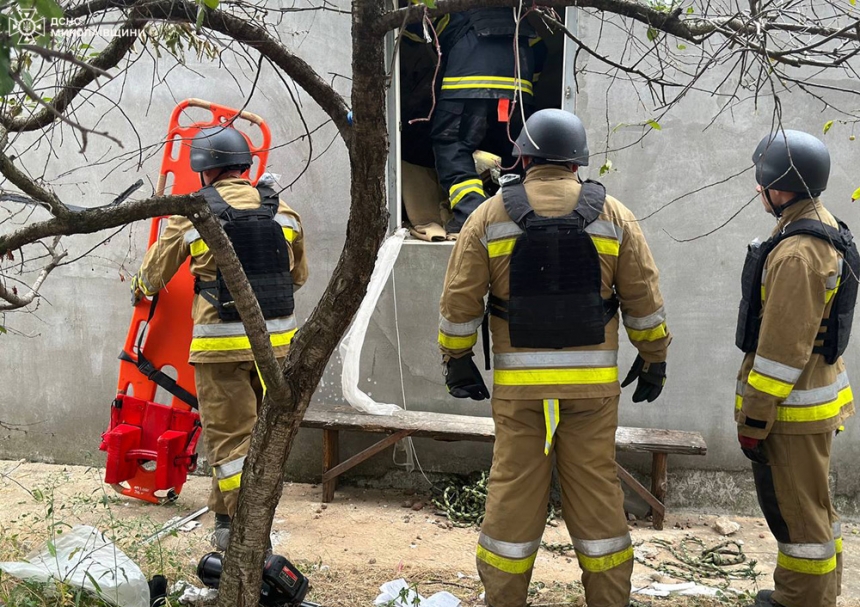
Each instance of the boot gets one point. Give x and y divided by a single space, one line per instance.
764 599
221 535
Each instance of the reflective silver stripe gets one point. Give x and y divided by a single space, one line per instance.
815 552
146 286
506 229
190 236
459 329
511 550
234 329
833 281
739 390
837 530
288 222
602 547
763 276
816 396
544 360
601 227
645 322
776 370
229 469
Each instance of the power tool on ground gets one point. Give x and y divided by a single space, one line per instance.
283 584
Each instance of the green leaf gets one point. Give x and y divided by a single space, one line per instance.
49 9
429 3
52 549
95 583
853 2
201 13
690 10
682 47
856 194
27 77
213 4
654 125
6 82
652 34
607 166
827 126
3 329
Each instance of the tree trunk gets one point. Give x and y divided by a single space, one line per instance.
276 428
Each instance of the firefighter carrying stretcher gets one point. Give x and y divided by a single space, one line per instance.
269 242
558 257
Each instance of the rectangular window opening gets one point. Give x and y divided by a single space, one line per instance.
417 200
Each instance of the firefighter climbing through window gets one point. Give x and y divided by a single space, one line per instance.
559 258
799 290
268 239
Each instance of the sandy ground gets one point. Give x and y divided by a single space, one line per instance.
348 547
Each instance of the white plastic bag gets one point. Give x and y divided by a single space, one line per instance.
398 594
84 558
350 346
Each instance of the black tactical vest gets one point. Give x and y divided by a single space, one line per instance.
262 250
835 330
555 275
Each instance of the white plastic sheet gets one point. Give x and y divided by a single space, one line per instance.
398 594
84 558
350 346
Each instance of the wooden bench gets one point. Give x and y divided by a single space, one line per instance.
333 419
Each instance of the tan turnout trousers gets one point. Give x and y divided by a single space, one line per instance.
229 395
794 496
592 500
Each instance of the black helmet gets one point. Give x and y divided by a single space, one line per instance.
792 161
559 135
219 147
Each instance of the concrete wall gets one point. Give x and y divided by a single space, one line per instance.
59 364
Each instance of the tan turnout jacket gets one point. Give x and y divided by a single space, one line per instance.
783 386
214 340
480 262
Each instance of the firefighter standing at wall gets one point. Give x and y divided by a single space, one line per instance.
799 290
268 239
558 258
486 86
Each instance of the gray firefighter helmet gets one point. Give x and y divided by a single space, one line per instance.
792 161
219 147
559 135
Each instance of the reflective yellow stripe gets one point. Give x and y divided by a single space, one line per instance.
607 246
474 189
762 293
817 412
551 416
838 543
648 334
504 87
290 234
198 247
513 566
554 377
599 564
739 402
458 342
774 387
452 191
808 566
230 484
486 82
501 247
226 344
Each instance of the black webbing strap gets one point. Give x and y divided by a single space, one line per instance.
155 375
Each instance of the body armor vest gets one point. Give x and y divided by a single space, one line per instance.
835 330
555 275
262 250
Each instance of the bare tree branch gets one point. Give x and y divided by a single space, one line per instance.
15 301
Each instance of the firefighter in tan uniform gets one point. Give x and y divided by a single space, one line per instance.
268 239
799 290
558 258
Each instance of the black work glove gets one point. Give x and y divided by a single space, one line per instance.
753 449
157 591
652 377
464 380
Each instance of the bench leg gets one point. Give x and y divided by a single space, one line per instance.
657 509
659 482
331 458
